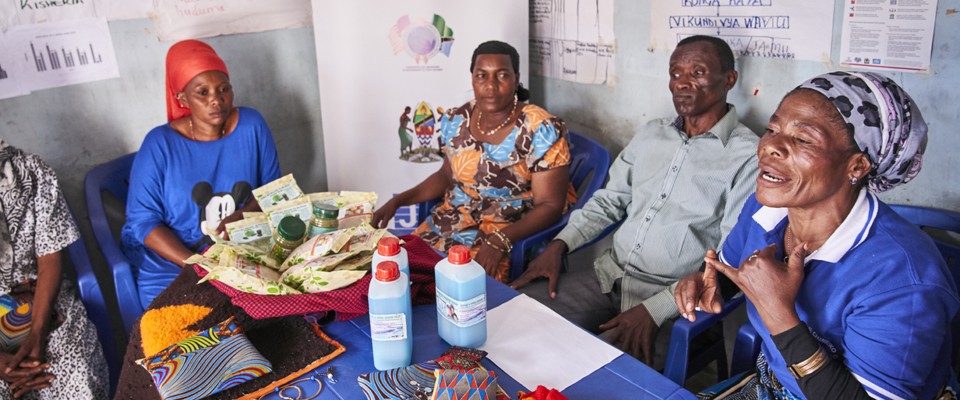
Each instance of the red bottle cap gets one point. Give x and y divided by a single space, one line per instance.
459 255
387 271
388 246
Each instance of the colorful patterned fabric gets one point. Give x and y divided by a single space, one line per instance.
455 384
35 221
542 393
218 358
349 302
759 385
417 381
493 181
884 120
14 325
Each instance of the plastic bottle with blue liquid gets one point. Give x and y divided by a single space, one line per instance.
388 249
390 317
461 299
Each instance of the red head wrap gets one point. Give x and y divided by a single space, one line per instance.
185 60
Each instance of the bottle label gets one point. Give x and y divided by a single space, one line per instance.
462 313
387 327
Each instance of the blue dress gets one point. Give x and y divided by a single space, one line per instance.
185 184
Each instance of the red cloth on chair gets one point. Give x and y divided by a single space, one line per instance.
349 302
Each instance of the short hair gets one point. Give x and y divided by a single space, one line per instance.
497 47
719 45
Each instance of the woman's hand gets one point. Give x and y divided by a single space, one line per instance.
381 217
28 375
699 289
770 284
222 227
489 258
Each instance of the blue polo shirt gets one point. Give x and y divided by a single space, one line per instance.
877 295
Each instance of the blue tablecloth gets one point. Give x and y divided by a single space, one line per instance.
622 378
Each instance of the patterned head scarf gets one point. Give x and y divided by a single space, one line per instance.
884 120
185 60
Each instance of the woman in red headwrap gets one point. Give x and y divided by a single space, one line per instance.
196 172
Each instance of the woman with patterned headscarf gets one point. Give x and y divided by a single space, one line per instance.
49 349
195 173
851 300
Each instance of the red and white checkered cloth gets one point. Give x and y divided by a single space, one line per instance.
349 302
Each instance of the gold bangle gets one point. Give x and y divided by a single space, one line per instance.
810 365
504 239
489 243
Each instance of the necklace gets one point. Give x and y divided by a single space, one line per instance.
787 243
193 136
497 129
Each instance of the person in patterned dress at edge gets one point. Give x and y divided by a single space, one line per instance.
851 300
504 172
60 358
677 186
196 173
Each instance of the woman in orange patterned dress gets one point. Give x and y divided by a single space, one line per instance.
504 172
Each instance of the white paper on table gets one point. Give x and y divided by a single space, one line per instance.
536 346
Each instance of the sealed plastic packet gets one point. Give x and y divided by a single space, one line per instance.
251 230
277 192
243 275
317 246
301 208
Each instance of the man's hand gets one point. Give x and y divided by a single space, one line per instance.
699 289
546 265
635 333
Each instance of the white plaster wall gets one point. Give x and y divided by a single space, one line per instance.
612 114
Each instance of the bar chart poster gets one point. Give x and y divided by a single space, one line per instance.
10 70
64 53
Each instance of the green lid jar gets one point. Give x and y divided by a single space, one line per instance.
324 219
291 232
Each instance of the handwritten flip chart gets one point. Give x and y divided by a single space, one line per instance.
191 19
19 12
572 40
758 28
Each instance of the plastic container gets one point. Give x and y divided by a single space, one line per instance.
291 232
388 249
461 299
324 220
390 317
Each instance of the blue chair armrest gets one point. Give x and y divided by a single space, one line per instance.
683 333
745 349
128 297
524 246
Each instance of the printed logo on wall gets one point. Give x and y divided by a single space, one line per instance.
424 130
421 40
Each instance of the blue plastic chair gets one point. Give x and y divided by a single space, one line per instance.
588 172
687 355
97 311
747 345
113 177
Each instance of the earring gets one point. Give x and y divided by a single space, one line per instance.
853 180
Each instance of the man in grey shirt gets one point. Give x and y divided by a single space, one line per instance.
678 186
